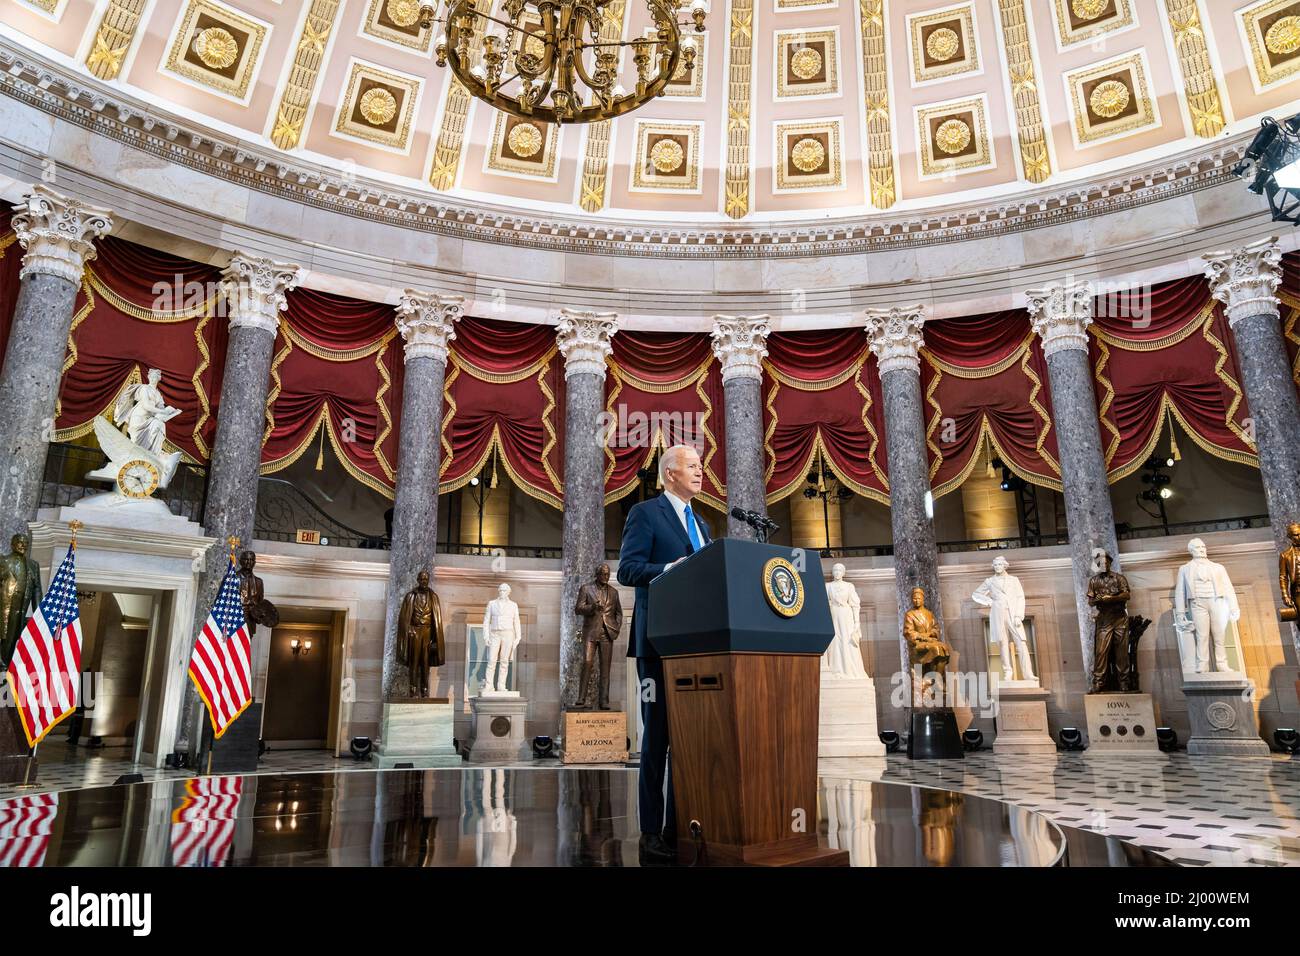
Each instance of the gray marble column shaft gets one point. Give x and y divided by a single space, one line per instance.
584 341
426 323
1244 280
1061 315
254 291
740 343
896 340
57 234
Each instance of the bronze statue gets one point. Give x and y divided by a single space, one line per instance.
1288 572
929 651
602 614
257 609
20 592
419 634
1116 633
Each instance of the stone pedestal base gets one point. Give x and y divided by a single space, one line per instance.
236 751
1120 724
846 719
595 736
1222 716
1022 720
418 733
497 730
934 736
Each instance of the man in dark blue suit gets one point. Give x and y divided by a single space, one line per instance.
659 533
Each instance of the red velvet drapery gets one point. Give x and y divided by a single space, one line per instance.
663 389
1169 358
11 260
985 375
822 401
140 309
332 378
505 392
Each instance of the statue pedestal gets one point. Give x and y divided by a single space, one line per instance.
1222 715
1121 724
934 735
595 736
846 718
1022 719
237 750
497 728
417 732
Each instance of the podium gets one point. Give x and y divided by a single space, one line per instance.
741 630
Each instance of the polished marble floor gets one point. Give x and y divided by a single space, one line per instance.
1190 810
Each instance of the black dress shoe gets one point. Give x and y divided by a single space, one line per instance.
654 851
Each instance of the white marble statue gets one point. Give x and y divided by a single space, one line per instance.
1002 594
1205 603
496 831
843 658
502 632
142 410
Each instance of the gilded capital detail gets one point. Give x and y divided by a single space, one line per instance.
427 322
584 341
1061 315
740 343
1245 280
58 233
895 337
254 289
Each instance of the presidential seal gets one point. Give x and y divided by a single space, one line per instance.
782 587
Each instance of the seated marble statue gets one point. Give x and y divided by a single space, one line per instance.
144 413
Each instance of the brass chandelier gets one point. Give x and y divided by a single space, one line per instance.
547 61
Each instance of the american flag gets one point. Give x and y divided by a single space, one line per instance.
25 826
45 673
203 826
220 666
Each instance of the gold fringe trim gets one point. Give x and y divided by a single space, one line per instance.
872 493
197 381
935 419
502 378
1037 406
71 358
1167 406
609 410
323 422
550 433
641 385
1289 330
1107 400
448 453
818 385
386 382
1155 345
274 392
984 371
1220 367
494 443
710 440
147 315
336 355
7 240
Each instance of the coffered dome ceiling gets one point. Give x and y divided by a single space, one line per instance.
796 110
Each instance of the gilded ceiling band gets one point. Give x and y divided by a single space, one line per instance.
595 163
451 135
739 108
113 37
1202 88
875 82
1034 155
301 82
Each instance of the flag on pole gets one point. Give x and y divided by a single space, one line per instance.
203 826
45 672
220 665
25 827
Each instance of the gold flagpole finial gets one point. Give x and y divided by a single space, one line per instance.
74 526
234 543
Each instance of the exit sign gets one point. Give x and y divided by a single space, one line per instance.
308 537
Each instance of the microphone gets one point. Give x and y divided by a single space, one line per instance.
759 522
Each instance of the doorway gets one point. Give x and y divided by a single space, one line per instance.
304 659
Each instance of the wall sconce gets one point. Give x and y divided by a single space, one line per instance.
300 647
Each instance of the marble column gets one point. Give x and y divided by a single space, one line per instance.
1244 280
895 337
584 341
427 324
253 291
58 234
1061 315
740 343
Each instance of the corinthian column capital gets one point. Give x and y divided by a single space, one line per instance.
584 341
254 289
1245 279
58 233
740 343
1061 314
427 322
895 337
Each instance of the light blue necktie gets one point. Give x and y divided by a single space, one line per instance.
691 531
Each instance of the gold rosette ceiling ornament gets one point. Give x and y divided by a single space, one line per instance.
546 61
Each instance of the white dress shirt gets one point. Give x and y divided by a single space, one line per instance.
679 506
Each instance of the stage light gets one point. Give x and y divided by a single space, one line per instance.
1272 163
544 747
891 740
972 739
1166 493
1167 739
1287 740
1070 739
361 747
176 761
